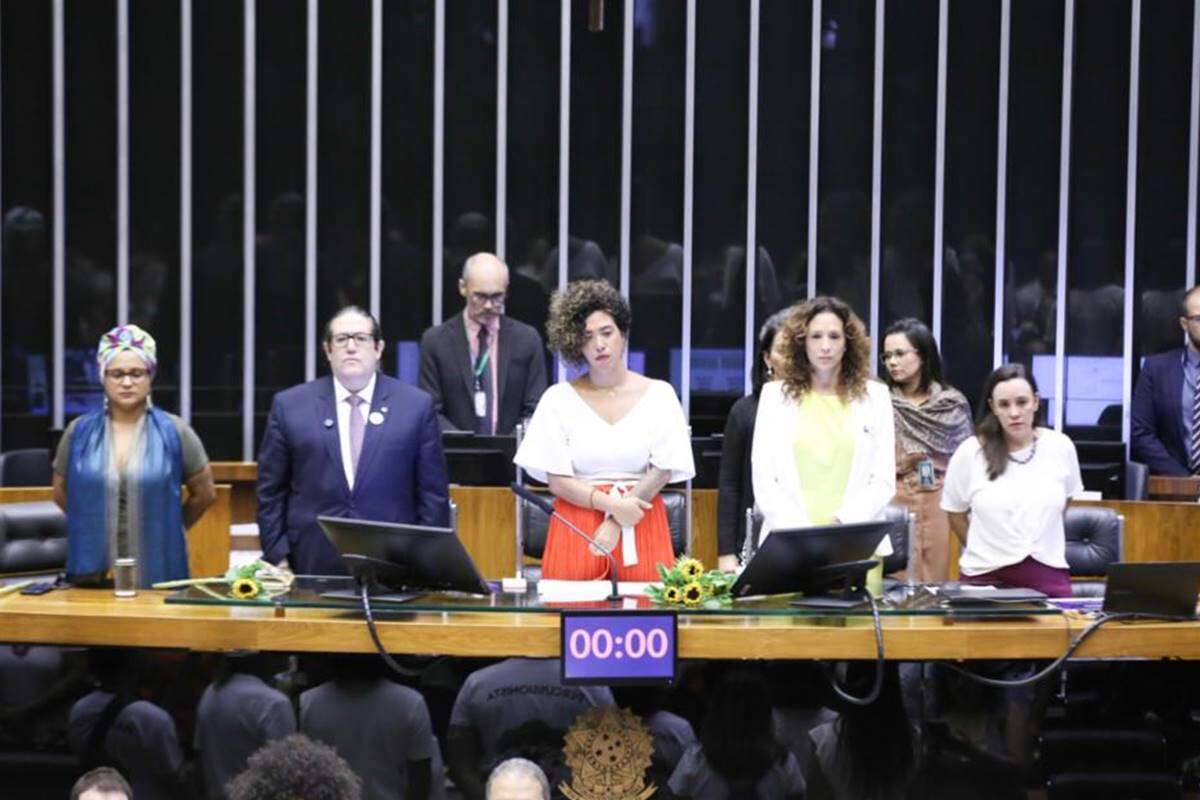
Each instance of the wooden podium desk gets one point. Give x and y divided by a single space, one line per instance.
95 617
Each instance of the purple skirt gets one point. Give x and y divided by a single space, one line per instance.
1027 574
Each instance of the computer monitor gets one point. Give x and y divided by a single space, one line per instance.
811 560
1102 467
392 556
476 460
706 455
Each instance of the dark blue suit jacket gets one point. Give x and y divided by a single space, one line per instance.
401 471
1156 416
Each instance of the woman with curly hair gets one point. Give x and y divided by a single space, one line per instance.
824 438
606 443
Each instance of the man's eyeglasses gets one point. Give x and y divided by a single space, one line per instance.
119 375
1193 318
496 299
897 354
360 339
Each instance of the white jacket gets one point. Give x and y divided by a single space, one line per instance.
871 483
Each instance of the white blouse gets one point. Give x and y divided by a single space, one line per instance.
1020 513
567 437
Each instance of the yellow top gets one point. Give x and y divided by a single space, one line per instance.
824 450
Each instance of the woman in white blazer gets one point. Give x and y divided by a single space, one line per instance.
824 439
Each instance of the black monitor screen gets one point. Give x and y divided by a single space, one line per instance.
476 460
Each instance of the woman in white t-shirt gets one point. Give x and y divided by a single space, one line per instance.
606 443
1007 488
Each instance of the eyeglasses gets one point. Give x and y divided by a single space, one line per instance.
360 339
496 299
1193 318
119 375
891 354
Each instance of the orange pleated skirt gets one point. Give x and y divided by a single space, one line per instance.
568 557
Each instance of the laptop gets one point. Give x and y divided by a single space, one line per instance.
1153 587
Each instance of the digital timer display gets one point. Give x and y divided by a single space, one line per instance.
605 647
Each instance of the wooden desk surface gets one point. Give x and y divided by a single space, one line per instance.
95 617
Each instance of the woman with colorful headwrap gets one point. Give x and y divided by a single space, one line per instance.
118 472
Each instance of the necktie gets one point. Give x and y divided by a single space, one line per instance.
357 427
1194 441
483 383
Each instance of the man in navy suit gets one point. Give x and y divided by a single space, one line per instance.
1164 410
357 444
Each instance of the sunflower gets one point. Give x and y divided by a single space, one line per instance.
690 569
693 593
245 589
671 594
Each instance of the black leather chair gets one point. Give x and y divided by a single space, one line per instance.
25 467
533 524
33 537
1137 481
1095 538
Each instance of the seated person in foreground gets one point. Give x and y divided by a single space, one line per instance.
518 779
296 766
1007 489
101 783
606 443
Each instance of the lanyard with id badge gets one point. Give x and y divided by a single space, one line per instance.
480 396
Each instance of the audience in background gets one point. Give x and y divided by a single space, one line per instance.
296 767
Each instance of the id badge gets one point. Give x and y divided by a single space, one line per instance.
925 473
480 403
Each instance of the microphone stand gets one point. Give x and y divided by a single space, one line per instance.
548 508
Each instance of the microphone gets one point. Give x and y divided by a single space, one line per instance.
548 508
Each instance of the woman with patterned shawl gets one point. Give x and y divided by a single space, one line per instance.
118 472
932 420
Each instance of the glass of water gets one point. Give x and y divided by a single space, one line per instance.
125 577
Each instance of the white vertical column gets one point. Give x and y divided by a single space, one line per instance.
376 149
1001 184
751 348
876 178
185 210
501 127
439 152
122 162
814 138
564 153
626 142
1131 167
1193 147
58 133
1064 184
248 226
689 178
939 169
310 196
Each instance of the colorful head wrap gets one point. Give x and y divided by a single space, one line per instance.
124 338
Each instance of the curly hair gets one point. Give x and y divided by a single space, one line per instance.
797 372
566 329
296 766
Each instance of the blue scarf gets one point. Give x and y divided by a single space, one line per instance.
154 514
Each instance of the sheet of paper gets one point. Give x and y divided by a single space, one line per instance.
565 591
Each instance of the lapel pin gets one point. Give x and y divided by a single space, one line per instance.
383 409
376 418
328 423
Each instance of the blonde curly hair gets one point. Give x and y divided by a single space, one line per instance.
797 371
566 329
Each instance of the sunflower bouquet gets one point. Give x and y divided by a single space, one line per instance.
688 584
257 581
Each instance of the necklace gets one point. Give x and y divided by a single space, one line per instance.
1028 458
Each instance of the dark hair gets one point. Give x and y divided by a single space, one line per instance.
797 377
987 424
766 340
920 337
352 309
566 329
295 766
737 733
102 779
